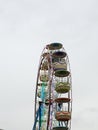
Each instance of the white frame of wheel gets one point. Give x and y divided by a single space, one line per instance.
52 78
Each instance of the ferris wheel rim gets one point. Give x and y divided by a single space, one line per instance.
53 71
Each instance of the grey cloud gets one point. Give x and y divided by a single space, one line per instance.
26 26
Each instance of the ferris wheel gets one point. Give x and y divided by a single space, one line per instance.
53 96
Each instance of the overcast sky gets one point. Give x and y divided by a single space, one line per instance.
26 26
